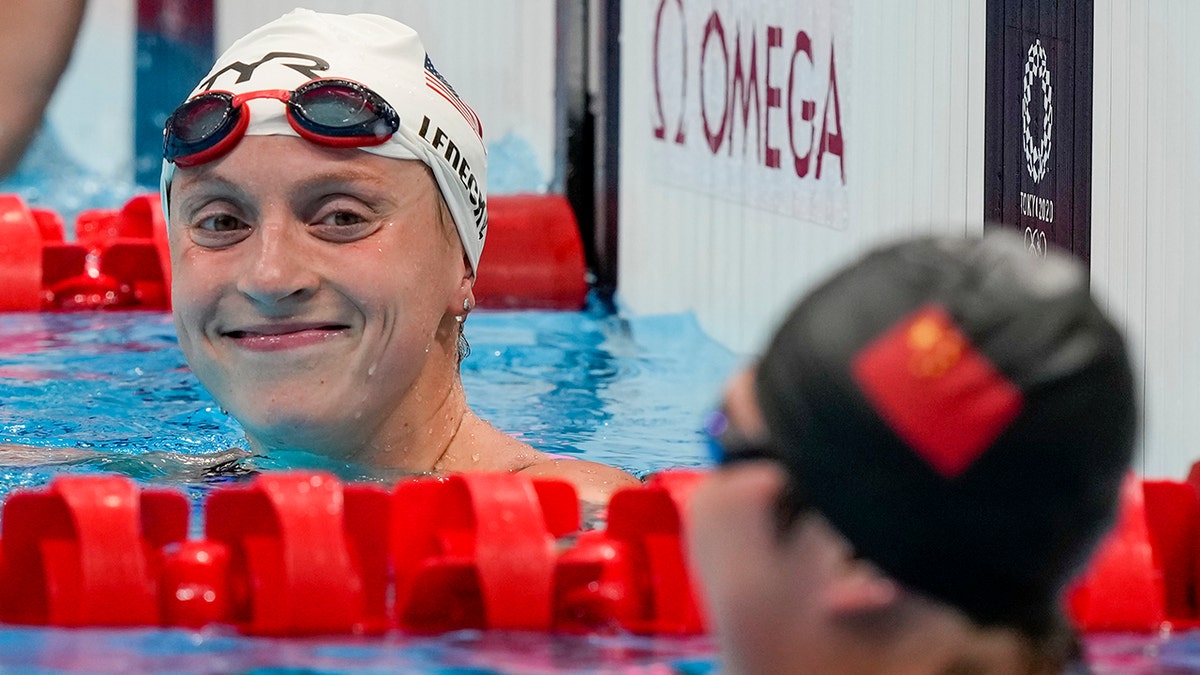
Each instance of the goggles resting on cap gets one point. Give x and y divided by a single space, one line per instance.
330 112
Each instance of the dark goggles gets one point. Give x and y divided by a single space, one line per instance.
726 446
330 112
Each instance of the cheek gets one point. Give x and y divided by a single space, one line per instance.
193 287
733 549
713 546
412 274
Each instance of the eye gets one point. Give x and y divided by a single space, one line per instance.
219 230
340 225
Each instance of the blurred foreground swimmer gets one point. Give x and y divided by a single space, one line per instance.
926 454
326 197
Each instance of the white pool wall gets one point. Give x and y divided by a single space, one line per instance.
718 235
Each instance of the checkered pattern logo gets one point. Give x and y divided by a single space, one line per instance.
1037 155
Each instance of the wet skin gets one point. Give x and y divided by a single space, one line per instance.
316 294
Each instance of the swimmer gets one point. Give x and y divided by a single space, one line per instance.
326 197
926 454
36 41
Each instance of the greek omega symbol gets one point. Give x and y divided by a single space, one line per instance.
1037 157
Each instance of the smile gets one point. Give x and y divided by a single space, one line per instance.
279 338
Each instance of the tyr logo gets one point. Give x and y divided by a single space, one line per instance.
246 70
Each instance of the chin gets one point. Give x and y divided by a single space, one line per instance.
297 428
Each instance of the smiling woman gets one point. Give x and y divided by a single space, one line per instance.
326 209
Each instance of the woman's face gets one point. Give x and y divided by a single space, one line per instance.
758 586
315 290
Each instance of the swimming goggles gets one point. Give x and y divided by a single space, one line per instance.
726 446
330 112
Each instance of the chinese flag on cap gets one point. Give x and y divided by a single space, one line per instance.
936 391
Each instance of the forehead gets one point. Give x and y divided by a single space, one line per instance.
280 158
285 167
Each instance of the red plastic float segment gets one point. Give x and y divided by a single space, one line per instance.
132 268
194 584
475 551
136 264
20 257
534 255
636 572
598 585
85 551
1173 520
144 219
120 258
1122 588
50 224
61 261
96 227
295 565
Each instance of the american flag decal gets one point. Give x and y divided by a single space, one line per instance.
435 81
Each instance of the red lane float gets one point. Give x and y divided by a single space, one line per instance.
297 565
119 259
477 551
20 257
534 255
295 553
1122 587
634 573
86 551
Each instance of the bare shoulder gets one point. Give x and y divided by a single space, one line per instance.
594 482
482 447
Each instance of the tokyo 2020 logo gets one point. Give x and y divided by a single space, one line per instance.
1037 155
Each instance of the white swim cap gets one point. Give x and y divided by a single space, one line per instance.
386 56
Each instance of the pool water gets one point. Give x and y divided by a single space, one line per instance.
624 391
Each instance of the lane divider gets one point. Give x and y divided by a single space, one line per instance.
299 553
302 553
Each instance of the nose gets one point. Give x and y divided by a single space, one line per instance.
278 271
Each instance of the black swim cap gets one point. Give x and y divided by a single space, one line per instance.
963 413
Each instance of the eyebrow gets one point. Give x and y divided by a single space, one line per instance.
204 185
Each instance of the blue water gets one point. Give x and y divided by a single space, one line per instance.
624 391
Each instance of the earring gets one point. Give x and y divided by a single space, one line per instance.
466 304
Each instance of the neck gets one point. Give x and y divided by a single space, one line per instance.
421 428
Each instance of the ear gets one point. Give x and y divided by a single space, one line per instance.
465 291
857 588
